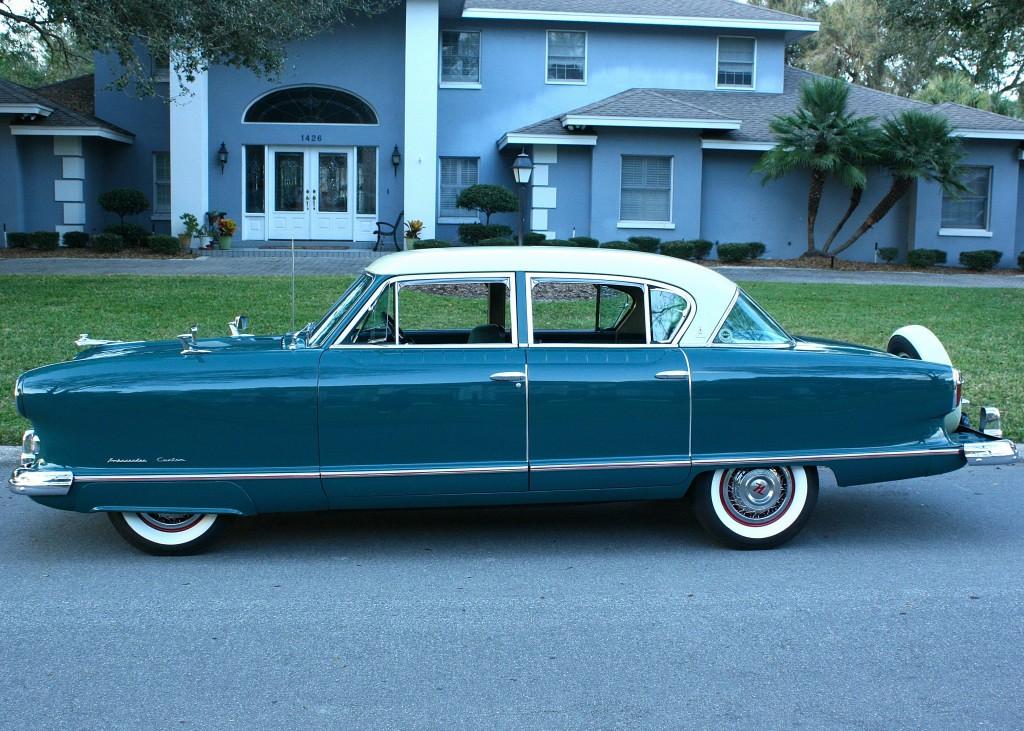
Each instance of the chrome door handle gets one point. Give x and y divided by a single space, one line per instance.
672 375
509 377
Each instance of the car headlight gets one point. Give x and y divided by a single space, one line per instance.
29 449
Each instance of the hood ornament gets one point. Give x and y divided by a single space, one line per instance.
84 341
188 342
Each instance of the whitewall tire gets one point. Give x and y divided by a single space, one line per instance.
757 506
165 534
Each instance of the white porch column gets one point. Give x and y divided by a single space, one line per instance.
190 149
421 74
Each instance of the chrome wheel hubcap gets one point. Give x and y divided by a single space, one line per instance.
757 496
171 522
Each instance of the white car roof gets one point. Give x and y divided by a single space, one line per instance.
712 292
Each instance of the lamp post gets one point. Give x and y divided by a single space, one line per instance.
522 171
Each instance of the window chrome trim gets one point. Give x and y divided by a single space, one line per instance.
533 278
509 279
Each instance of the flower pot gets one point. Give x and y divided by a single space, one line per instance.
185 242
224 242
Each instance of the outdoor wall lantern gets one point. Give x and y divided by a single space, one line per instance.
222 157
396 160
522 171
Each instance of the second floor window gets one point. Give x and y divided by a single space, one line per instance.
457 174
970 209
161 182
460 57
567 57
736 62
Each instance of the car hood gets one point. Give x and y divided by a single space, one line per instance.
144 348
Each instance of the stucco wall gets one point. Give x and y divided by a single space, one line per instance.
11 190
40 167
571 177
1019 246
737 207
1005 207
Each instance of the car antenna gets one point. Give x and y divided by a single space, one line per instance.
293 284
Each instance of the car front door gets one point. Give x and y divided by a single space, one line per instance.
609 391
426 394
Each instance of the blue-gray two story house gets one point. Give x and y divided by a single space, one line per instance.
642 117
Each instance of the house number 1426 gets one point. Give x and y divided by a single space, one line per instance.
311 138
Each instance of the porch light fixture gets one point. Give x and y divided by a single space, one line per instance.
522 171
222 157
396 160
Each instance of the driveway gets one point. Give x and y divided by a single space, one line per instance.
898 607
351 262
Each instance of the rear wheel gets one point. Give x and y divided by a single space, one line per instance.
169 534
755 507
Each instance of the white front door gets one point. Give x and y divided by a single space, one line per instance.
310 193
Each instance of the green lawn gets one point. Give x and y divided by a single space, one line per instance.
983 329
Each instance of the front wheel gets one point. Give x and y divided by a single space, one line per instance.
169 534
755 507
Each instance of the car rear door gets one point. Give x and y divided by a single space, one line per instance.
609 391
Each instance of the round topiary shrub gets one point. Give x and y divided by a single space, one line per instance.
123 202
76 239
888 254
623 245
431 244
585 241
649 244
982 260
679 250
19 240
496 241
45 240
923 258
167 245
134 236
107 243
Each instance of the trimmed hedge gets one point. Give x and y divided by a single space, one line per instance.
981 260
701 248
107 243
888 254
740 251
693 250
585 241
159 244
496 241
76 239
44 240
649 244
624 245
533 238
19 240
431 244
474 233
133 235
922 258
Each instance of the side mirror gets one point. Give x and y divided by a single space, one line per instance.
239 325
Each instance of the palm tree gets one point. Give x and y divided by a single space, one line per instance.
852 174
916 145
820 136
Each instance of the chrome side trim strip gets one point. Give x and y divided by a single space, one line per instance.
777 458
646 464
210 477
415 471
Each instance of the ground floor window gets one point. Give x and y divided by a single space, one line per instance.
970 209
161 182
366 180
646 189
457 174
255 179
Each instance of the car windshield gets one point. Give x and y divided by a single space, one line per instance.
748 324
340 308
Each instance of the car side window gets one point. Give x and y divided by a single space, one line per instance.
669 311
583 312
748 324
455 313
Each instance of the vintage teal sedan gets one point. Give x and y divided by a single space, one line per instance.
494 376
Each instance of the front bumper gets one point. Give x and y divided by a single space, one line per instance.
38 482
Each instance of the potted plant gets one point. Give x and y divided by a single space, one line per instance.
226 229
413 229
191 224
203 235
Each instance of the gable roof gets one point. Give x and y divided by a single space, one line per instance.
647 108
58 120
755 110
78 94
705 13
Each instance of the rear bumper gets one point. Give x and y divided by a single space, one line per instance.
982 450
40 482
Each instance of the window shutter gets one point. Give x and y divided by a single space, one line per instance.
646 189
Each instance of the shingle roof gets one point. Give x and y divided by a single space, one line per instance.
723 9
755 109
77 94
646 103
62 116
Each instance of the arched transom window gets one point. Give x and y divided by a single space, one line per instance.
310 105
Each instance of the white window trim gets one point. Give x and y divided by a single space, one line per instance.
440 61
455 219
160 215
665 225
753 70
586 57
986 231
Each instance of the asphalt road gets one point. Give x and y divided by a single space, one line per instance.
900 606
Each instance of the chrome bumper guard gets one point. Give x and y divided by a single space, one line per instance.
41 482
995 452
